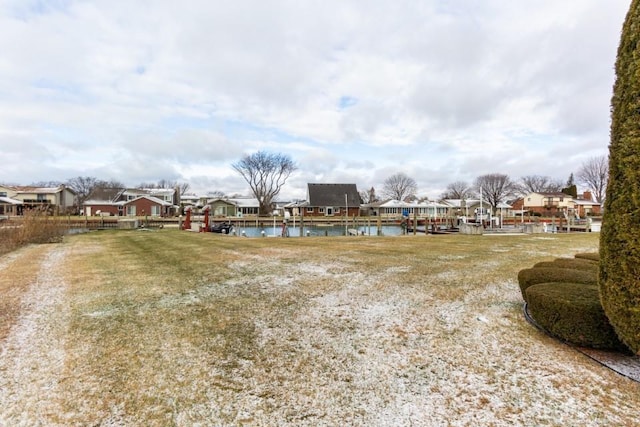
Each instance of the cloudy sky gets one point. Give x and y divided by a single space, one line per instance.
353 91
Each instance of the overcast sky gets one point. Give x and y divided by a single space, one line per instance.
353 91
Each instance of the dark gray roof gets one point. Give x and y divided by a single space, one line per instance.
104 194
332 194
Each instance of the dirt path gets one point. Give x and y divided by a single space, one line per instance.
17 274
32 353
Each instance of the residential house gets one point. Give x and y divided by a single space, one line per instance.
234 207
397 209
56 200
148 205
132 202
222 207
169 195
476 209
193 201
9 205
585 205
550 204
584 208
327 200
103 201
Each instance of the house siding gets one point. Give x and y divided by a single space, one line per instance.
97 209
322 211
143 207
117 201
57 200
331 200
547 204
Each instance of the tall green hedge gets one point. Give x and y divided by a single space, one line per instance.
620 235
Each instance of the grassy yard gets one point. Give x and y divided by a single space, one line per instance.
156 328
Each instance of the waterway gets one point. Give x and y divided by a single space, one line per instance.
327 230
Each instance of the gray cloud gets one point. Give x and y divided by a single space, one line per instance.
183 90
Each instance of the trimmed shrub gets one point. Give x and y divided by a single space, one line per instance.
620 234
591 256
533 276
571 263
573 313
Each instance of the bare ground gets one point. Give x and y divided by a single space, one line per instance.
362 349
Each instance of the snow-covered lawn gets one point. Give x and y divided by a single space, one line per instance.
404 331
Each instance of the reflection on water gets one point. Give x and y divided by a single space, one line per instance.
335 230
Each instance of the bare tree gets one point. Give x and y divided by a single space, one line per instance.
112 183
184 187
265 173
47 184
168 184
83 186
538 184
554 186
594 174
369 196
399 187
458 190
495 188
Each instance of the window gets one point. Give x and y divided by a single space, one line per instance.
155 210
41 197
309 209
321 210
131 210
3 194
249 211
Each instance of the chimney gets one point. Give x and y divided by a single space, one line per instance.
176 195
587 196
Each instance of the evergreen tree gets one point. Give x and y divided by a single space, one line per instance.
572 191
571 181
620 237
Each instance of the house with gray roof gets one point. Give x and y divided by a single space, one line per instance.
326 200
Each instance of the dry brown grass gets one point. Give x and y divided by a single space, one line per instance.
176 328
33 227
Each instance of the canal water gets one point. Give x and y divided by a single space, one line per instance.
331 230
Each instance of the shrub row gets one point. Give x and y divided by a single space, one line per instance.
572 263
572 312
534 276
562 296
